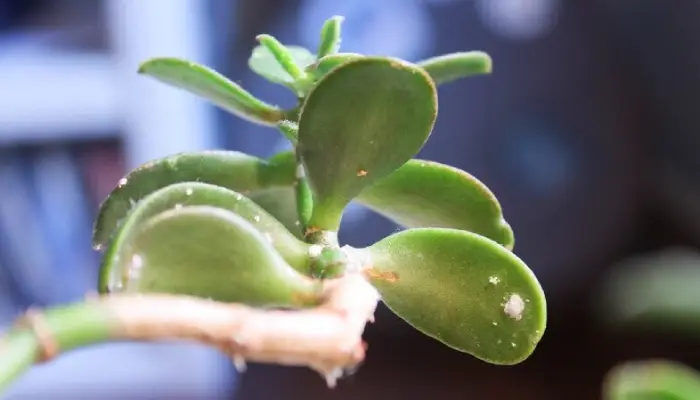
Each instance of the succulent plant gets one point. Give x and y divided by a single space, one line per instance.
653 379
234 228
188 223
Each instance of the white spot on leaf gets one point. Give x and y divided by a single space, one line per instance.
514 307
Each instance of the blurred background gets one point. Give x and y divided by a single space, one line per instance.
587 132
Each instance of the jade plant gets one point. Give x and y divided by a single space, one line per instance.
654 292
242 253
653 379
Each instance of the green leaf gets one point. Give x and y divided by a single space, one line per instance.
429 194
462 289
328 63
263 62
330 36
212 253
211 85
361 122
450 67
293 250
281 204
230 169
655 291
654 379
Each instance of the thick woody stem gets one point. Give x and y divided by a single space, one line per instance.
327 339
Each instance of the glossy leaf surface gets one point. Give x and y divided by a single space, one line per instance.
450 67
294 251
462 289
212 253
264 63
429 194
230 169
654 379
211 85
360 123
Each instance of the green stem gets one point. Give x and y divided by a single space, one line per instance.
302 189
69 327
304 196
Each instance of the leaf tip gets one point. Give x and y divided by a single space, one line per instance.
264 37
488 62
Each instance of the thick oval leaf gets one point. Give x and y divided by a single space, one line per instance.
293 250
450 67
212 253
462 289
211 85
429 194
654 379
230 169
360 123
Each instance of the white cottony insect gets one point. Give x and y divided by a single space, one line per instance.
514 307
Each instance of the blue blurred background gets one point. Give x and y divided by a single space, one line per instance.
587 131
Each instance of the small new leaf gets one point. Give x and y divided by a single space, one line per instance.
330 36
264 63
211 85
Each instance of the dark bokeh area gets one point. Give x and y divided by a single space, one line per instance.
587 132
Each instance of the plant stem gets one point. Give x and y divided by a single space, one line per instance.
63 328
327 339
304 196
302 189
